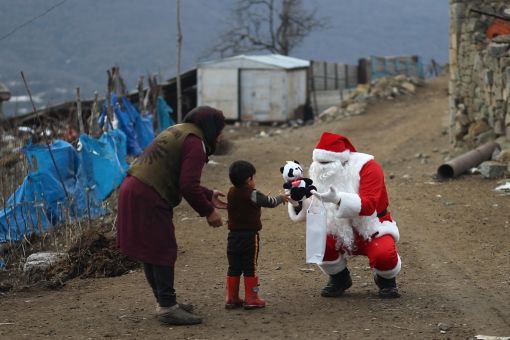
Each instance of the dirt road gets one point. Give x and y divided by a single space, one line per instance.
455 238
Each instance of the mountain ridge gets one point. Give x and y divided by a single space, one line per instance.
74 44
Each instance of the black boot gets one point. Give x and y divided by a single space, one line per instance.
337 284
387 287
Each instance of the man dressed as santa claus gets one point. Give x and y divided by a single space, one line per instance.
351 186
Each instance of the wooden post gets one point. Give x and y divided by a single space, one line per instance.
336 76
325 76
312 84
78 109
346 75
118 82
92 128
46 141
152 104
109 112
141 107
178 78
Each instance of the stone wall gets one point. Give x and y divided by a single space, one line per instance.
479 76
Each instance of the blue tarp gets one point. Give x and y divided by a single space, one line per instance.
164 112
89 176
138 130
143 125
24 212
64 169
103 165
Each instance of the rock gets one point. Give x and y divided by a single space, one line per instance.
477 128
443 326
503 156
262 134
37 263
492 169
503 187
485 137
462 118
307 270
498 50
329 113
356 109
410 88
502 39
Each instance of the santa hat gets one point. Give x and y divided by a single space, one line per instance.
332 147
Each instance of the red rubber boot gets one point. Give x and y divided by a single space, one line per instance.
251 289
232 300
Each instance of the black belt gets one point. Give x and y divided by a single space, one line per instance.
382 213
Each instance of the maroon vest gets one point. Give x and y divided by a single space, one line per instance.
243 213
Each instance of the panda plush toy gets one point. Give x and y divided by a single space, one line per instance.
298 186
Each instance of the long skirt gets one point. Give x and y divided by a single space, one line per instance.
145 230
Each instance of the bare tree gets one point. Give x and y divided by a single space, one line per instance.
277 26
179 46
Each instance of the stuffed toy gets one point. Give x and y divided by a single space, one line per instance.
298 185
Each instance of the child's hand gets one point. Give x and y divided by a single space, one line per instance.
285 197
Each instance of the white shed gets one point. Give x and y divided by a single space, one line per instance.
263 88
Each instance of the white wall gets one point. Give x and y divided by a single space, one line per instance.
296 90
219 88
263 95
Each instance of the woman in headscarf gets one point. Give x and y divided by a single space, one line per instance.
169 169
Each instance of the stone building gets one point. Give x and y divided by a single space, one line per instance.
479 73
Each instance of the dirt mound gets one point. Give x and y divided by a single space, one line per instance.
94 255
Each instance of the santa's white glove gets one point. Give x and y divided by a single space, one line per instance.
331 195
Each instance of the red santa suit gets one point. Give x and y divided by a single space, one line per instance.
356 202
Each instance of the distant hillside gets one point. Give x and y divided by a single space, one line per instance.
76 43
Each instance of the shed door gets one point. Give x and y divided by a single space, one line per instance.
263 95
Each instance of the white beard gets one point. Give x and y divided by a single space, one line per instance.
329 174
342 178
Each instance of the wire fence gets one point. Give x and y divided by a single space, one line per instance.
27 223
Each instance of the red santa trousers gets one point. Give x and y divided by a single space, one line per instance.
381 252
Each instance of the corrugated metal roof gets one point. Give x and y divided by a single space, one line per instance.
275 60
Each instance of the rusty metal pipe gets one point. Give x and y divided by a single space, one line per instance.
466 161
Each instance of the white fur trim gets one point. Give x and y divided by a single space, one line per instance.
321 155
350 205
333 267
389 228
390 274
301 216
366 226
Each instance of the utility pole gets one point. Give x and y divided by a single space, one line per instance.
178 78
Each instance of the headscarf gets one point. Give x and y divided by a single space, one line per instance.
211 121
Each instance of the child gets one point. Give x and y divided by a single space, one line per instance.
244 203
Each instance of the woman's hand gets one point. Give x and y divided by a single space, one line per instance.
216 202
214 219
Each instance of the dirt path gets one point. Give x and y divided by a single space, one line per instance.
454 245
